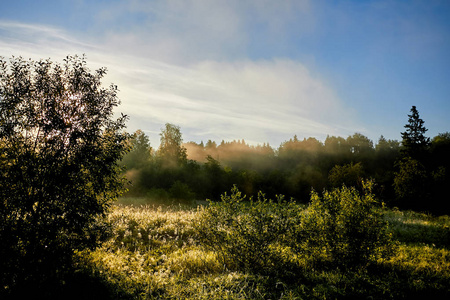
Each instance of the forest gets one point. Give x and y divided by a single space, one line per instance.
411 174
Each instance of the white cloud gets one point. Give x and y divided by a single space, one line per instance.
185 31
260 101
38 41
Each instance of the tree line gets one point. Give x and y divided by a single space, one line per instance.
411 174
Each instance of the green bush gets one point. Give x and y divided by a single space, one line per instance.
252 235
59 152
181 192
344 228
340 229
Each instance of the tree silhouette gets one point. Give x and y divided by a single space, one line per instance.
140 152
412 182
415 143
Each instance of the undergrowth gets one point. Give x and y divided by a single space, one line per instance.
238 249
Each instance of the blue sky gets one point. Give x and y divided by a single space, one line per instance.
262 71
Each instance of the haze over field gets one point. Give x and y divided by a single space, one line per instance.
262 71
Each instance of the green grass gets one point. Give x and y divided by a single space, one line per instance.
154 253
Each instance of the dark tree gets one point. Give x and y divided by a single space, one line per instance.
415 143
412 184
140 152
59 152
348 175
359 144
412 181
385 156
440 166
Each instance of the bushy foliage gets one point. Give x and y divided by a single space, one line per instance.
344 228
177 266
349 175
250 235
59 148
410 183
341 228
140 152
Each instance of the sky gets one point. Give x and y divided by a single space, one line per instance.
262 71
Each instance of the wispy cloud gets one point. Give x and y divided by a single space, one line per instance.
194 30
190 77
38 41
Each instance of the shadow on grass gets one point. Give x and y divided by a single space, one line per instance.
78 285
419 233
376 282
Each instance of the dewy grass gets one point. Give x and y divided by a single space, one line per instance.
154 252
418 228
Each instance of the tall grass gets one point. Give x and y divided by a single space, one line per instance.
157 252
153 253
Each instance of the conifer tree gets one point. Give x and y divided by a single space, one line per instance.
415 143
412 181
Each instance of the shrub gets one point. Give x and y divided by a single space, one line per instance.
250 236
344 228
181 192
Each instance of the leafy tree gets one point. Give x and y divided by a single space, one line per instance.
440 164
59 152
382 167
215 177
171 150
211 145
140 152
336 145
387 145
440 149
359 144
411 184
348 174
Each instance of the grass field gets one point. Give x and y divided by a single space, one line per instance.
154 253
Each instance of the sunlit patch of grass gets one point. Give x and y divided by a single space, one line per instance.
194 262
183 274
154 201
423 258
427 267
154 253
148 228
129 273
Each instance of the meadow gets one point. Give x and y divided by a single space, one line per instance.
156 251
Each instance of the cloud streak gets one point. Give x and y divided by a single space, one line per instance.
265 100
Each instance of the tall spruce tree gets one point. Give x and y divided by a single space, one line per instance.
415 144
412 180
